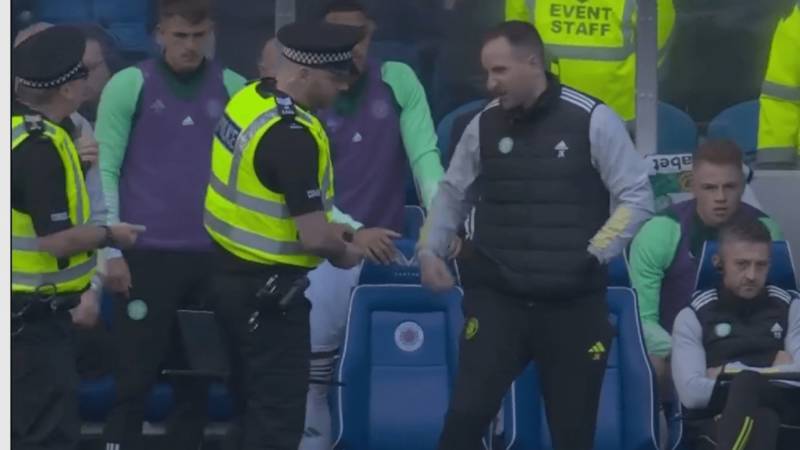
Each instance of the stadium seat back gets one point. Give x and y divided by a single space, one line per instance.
397 368
738 123
96 398
413 218
404 270
445 128
627 410
677 132
618 274
396 51
782 272
61 11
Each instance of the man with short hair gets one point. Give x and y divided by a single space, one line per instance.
665 253
542 164
746 328
269 209
155 124
270 58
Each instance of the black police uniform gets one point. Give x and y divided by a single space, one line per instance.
271 349
44 380
750 331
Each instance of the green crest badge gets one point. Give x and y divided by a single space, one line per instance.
137 309
722 329
471 328
505 145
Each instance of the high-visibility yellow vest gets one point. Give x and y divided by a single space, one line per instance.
779 116
241 214
594 43
31 268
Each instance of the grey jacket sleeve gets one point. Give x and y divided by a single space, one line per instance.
792 343
456 194
625 173
97 203
689 361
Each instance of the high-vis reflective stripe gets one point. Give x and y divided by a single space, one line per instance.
62 276
599 53
267 207
243 215
779 103
19 130
32 267
28 244
250 239
244 140
789 93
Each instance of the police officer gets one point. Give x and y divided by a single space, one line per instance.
269 207
52 243
542 164
743 326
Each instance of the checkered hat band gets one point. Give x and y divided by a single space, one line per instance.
315 59
66 77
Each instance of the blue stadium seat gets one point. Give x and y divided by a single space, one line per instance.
445 128
126 20
107 309
396 51
738 123
220 403
618 275
96 398
677 132
397 368
404 270
412 196
414 217
61 11
627 417
781 272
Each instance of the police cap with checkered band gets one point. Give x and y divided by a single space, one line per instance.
320 45
50 58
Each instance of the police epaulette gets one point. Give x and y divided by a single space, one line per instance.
34 123
285 106
702 298
780 294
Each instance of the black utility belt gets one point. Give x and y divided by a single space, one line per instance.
36 306
279 291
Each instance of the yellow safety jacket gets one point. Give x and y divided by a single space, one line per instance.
594 43
241 214
31 268
779 116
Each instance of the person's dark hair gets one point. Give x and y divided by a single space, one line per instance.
194 11
349 6
720 152
108 44
519 34
747 229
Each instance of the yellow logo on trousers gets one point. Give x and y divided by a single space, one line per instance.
597 350
471 328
